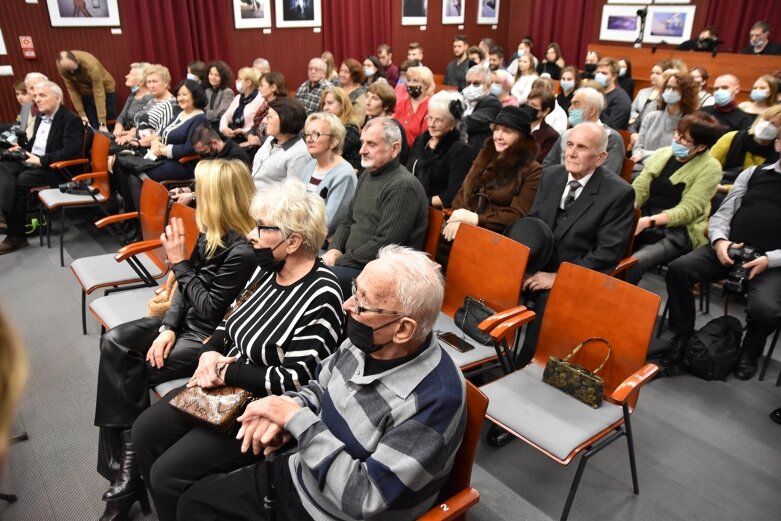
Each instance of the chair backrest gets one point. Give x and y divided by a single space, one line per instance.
461 474
626 137
153 205
435 220
187 215
630 245
99 153
484 265
583 304
626 170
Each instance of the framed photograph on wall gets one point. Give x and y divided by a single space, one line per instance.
487 12
83 13
414 12
298 13
453 12
620 23
669 23
251 14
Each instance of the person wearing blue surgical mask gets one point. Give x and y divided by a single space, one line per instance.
762 96
139 97
673 193
618 104
678 99
725 109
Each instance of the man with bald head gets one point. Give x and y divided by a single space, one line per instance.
58 136
725 109
310 91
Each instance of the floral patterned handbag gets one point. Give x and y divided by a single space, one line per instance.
577 381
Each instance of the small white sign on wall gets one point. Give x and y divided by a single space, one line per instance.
2 43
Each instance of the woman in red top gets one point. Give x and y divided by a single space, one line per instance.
412 111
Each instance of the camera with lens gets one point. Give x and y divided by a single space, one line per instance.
13 155
77 188
738 275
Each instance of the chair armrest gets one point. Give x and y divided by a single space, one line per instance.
134 249
186 159
57 165
453 507
628 386
491 322
111 219
623 266
91 175
510 325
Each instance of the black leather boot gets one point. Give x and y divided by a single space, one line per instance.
117 509
498 437
673 358
129 477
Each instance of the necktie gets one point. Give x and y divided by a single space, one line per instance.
573 187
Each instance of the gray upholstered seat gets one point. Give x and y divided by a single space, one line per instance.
103 270
122 306
166 387
445 324
53 198
550 419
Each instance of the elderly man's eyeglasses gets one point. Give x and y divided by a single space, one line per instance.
314 136
361 309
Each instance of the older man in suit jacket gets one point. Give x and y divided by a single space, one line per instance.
58 135
590 212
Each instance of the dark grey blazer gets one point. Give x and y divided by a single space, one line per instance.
598 224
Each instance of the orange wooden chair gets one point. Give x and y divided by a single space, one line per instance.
144 260
582 304
626 170
457 495
489 267
435 220
53 199
123 306
628 260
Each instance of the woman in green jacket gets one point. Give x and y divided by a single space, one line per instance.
674 192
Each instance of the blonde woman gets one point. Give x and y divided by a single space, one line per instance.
524 78
763 95
146 352
413 110
13 373
237 121
336 101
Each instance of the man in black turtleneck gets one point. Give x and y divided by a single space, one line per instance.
726 110
750 216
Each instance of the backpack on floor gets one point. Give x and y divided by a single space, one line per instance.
712 351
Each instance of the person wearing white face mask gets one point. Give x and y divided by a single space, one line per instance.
482 107
763 95
618 104
674 192
237 120
742 149
759 41
373 70
725 109
678 99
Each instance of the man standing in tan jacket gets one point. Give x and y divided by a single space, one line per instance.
90 85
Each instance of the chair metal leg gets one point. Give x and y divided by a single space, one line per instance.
769 355
662 319
630 443
62 237
40 225
83 312
620 431
8 498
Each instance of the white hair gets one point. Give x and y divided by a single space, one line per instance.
289 206
34 78
483 72
593 98
420 286
320 62
390 130
441 101
601 132
261 63
53 87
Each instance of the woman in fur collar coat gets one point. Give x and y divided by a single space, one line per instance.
501 185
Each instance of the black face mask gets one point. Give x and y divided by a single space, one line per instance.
362 336
414 91
591 67
266 261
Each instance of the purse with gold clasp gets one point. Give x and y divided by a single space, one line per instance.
577 381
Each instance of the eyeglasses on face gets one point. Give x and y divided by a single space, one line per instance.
264 228
314 136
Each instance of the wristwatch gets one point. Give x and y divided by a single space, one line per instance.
165 327
652 223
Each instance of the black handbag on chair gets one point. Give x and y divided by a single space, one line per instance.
469 316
